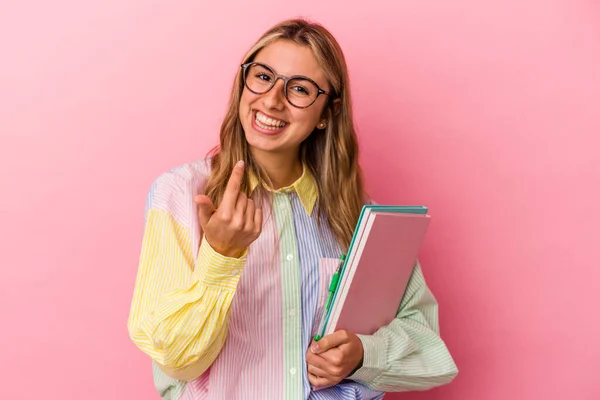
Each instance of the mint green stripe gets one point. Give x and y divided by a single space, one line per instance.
167 387
292 308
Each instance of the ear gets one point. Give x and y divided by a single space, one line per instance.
331 111
335 106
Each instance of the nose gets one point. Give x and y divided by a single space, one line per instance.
275 98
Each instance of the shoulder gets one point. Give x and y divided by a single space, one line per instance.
173 190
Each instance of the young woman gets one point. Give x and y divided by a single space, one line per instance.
239 248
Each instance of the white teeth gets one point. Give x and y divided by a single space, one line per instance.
268 123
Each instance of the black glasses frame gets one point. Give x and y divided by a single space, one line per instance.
285 80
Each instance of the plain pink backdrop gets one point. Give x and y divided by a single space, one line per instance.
487 112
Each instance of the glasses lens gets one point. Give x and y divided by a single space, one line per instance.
301 92
258 78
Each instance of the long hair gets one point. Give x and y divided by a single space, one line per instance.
331 155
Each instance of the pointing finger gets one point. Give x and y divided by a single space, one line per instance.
233 188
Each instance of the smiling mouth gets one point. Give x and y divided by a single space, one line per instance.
268 123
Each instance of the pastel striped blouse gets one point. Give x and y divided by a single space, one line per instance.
239 328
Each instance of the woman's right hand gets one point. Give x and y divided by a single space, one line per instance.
237 222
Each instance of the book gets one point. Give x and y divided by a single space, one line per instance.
367 289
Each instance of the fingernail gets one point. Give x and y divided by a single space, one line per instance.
240 164
314 348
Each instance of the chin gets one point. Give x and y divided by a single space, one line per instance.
259 145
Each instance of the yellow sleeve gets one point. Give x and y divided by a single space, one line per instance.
180 308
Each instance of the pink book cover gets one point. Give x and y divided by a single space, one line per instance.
377 272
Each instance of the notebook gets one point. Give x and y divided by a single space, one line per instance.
373 276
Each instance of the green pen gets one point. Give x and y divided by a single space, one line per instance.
332 288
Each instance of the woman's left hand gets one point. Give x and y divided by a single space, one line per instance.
333 358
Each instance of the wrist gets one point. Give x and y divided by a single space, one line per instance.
373 359
226 251
231 253
362 356
358 366
214 269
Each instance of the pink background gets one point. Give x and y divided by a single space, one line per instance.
487 112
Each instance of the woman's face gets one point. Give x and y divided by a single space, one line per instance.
271 124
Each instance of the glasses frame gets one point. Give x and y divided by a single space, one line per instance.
285 80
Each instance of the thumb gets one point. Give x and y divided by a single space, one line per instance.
329 342
206 208
321 346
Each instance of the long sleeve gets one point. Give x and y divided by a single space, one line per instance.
408 353
180 307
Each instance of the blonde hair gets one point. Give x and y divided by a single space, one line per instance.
331 155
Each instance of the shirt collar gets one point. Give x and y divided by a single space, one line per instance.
305 187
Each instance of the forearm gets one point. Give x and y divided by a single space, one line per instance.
187 330
407 354
179 317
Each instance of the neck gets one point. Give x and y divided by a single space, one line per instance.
283 170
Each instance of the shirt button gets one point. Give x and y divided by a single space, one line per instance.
292 312
293 371
235 272
289 257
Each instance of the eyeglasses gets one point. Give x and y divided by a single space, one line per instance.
300 91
